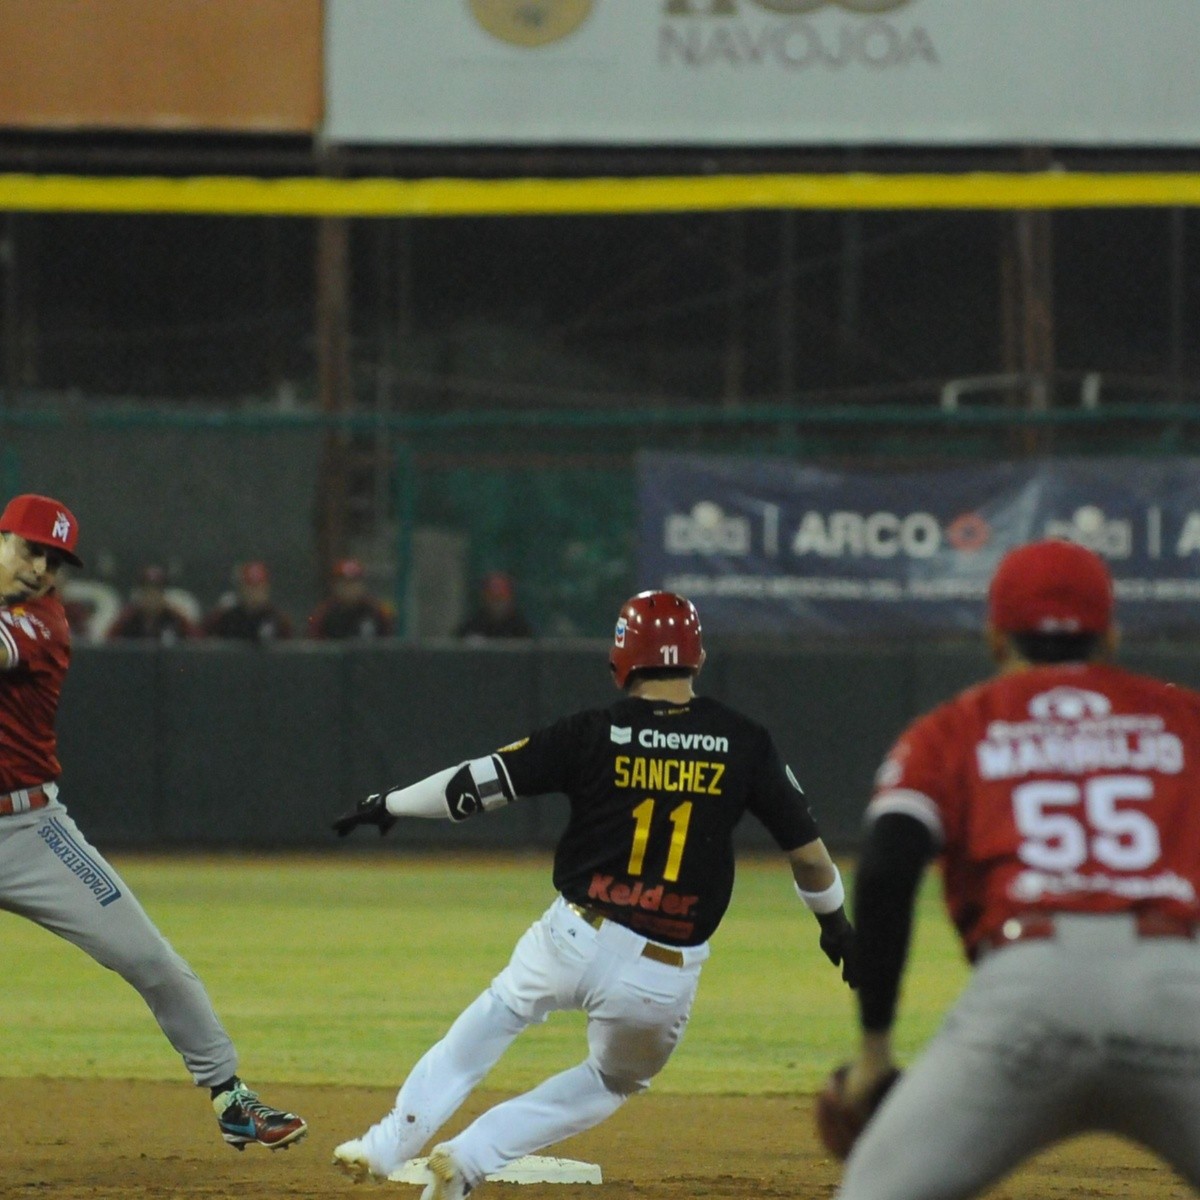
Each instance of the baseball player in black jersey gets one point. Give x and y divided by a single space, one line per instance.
656 783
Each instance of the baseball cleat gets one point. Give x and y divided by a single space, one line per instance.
447 1181
351 1158
243 1118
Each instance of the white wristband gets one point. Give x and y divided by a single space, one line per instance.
827 901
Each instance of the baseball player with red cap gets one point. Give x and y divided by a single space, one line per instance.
498 614
49 872
656 784
350 611
250 615
1061 798
150 615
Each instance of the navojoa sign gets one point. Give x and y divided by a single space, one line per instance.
787 35
761 72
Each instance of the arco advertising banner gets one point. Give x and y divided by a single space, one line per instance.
766 72
773 547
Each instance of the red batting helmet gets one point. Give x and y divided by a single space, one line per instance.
655 629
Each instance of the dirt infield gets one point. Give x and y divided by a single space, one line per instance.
64 1139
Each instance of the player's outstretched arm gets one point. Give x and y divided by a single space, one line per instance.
819 885
455 793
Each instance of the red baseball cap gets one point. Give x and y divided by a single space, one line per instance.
348 568
1052 586
43 520
254 572
498 586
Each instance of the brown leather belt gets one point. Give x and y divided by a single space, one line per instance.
1032 927
662 954
23 800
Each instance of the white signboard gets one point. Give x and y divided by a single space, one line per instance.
763 72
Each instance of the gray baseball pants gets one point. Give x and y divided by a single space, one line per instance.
51 874
1095 1030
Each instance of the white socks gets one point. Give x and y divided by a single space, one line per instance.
566 1104
441 1081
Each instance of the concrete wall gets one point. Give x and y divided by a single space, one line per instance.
225 746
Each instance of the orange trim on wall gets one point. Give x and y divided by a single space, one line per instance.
221 65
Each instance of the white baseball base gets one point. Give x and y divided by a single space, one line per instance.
533 1168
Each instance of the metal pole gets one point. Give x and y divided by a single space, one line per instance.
787 306
735 312
404 488
1177 291
851 289
406 509
10 329
1035 244
333 381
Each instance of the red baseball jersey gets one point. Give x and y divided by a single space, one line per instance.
38 641
1060 788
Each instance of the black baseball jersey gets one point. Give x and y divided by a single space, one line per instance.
656 790
249 625
364 618
167 625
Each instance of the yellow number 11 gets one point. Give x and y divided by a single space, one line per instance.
641 835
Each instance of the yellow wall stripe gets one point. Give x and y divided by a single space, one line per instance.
237 196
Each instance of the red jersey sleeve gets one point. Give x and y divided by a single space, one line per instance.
922 776
38 641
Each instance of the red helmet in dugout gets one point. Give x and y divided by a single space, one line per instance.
655 629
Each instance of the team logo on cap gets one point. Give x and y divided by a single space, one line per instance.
1069 704
62 527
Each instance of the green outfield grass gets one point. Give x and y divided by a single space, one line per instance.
343 970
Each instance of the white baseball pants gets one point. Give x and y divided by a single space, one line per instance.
637 1009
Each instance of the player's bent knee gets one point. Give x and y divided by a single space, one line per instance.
150 970
622 1085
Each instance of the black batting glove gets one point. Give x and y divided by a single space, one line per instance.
371 811
838 944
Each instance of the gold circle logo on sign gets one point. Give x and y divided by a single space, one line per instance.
531 22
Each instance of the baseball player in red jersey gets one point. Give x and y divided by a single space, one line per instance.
1061 797
656 783
48 870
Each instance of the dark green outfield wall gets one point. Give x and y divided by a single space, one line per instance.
227 747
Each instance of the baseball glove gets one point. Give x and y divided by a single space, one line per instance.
839 1122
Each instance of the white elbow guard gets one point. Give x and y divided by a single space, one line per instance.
477 786
425 798
456 792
